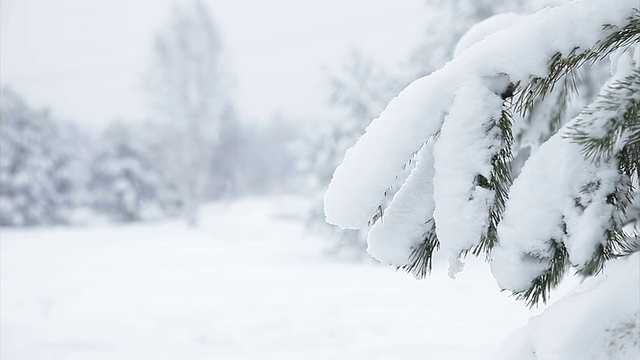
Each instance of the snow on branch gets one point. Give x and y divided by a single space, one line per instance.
409 217
568 205
611 122
417 113
459 118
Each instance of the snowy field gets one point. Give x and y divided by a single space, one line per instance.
251 283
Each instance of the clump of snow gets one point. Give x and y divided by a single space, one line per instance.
405 221
485 28
463 151
552 183
390 140
523 49
587 324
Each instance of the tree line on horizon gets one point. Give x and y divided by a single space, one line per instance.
194 150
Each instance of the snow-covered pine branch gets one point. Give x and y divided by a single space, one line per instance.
460 121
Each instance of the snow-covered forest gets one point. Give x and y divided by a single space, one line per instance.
467 186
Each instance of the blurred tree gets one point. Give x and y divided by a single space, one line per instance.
224 171
125 182
189 89
268 157
36 184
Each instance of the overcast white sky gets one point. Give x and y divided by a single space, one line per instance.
86 58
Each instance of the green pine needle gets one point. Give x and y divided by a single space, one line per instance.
500 182
541 286
421 258
565 67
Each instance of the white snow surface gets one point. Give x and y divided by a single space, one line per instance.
249 284
417 113
600 320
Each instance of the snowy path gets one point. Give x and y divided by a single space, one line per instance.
250 284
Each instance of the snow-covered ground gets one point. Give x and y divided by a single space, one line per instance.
251 283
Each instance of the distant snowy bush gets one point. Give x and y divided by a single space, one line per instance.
126 183
36 166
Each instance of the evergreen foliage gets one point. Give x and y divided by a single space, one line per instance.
608 130
421 258
619 131
614 113
499 182
603 181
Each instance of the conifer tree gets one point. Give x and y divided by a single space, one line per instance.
568 209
